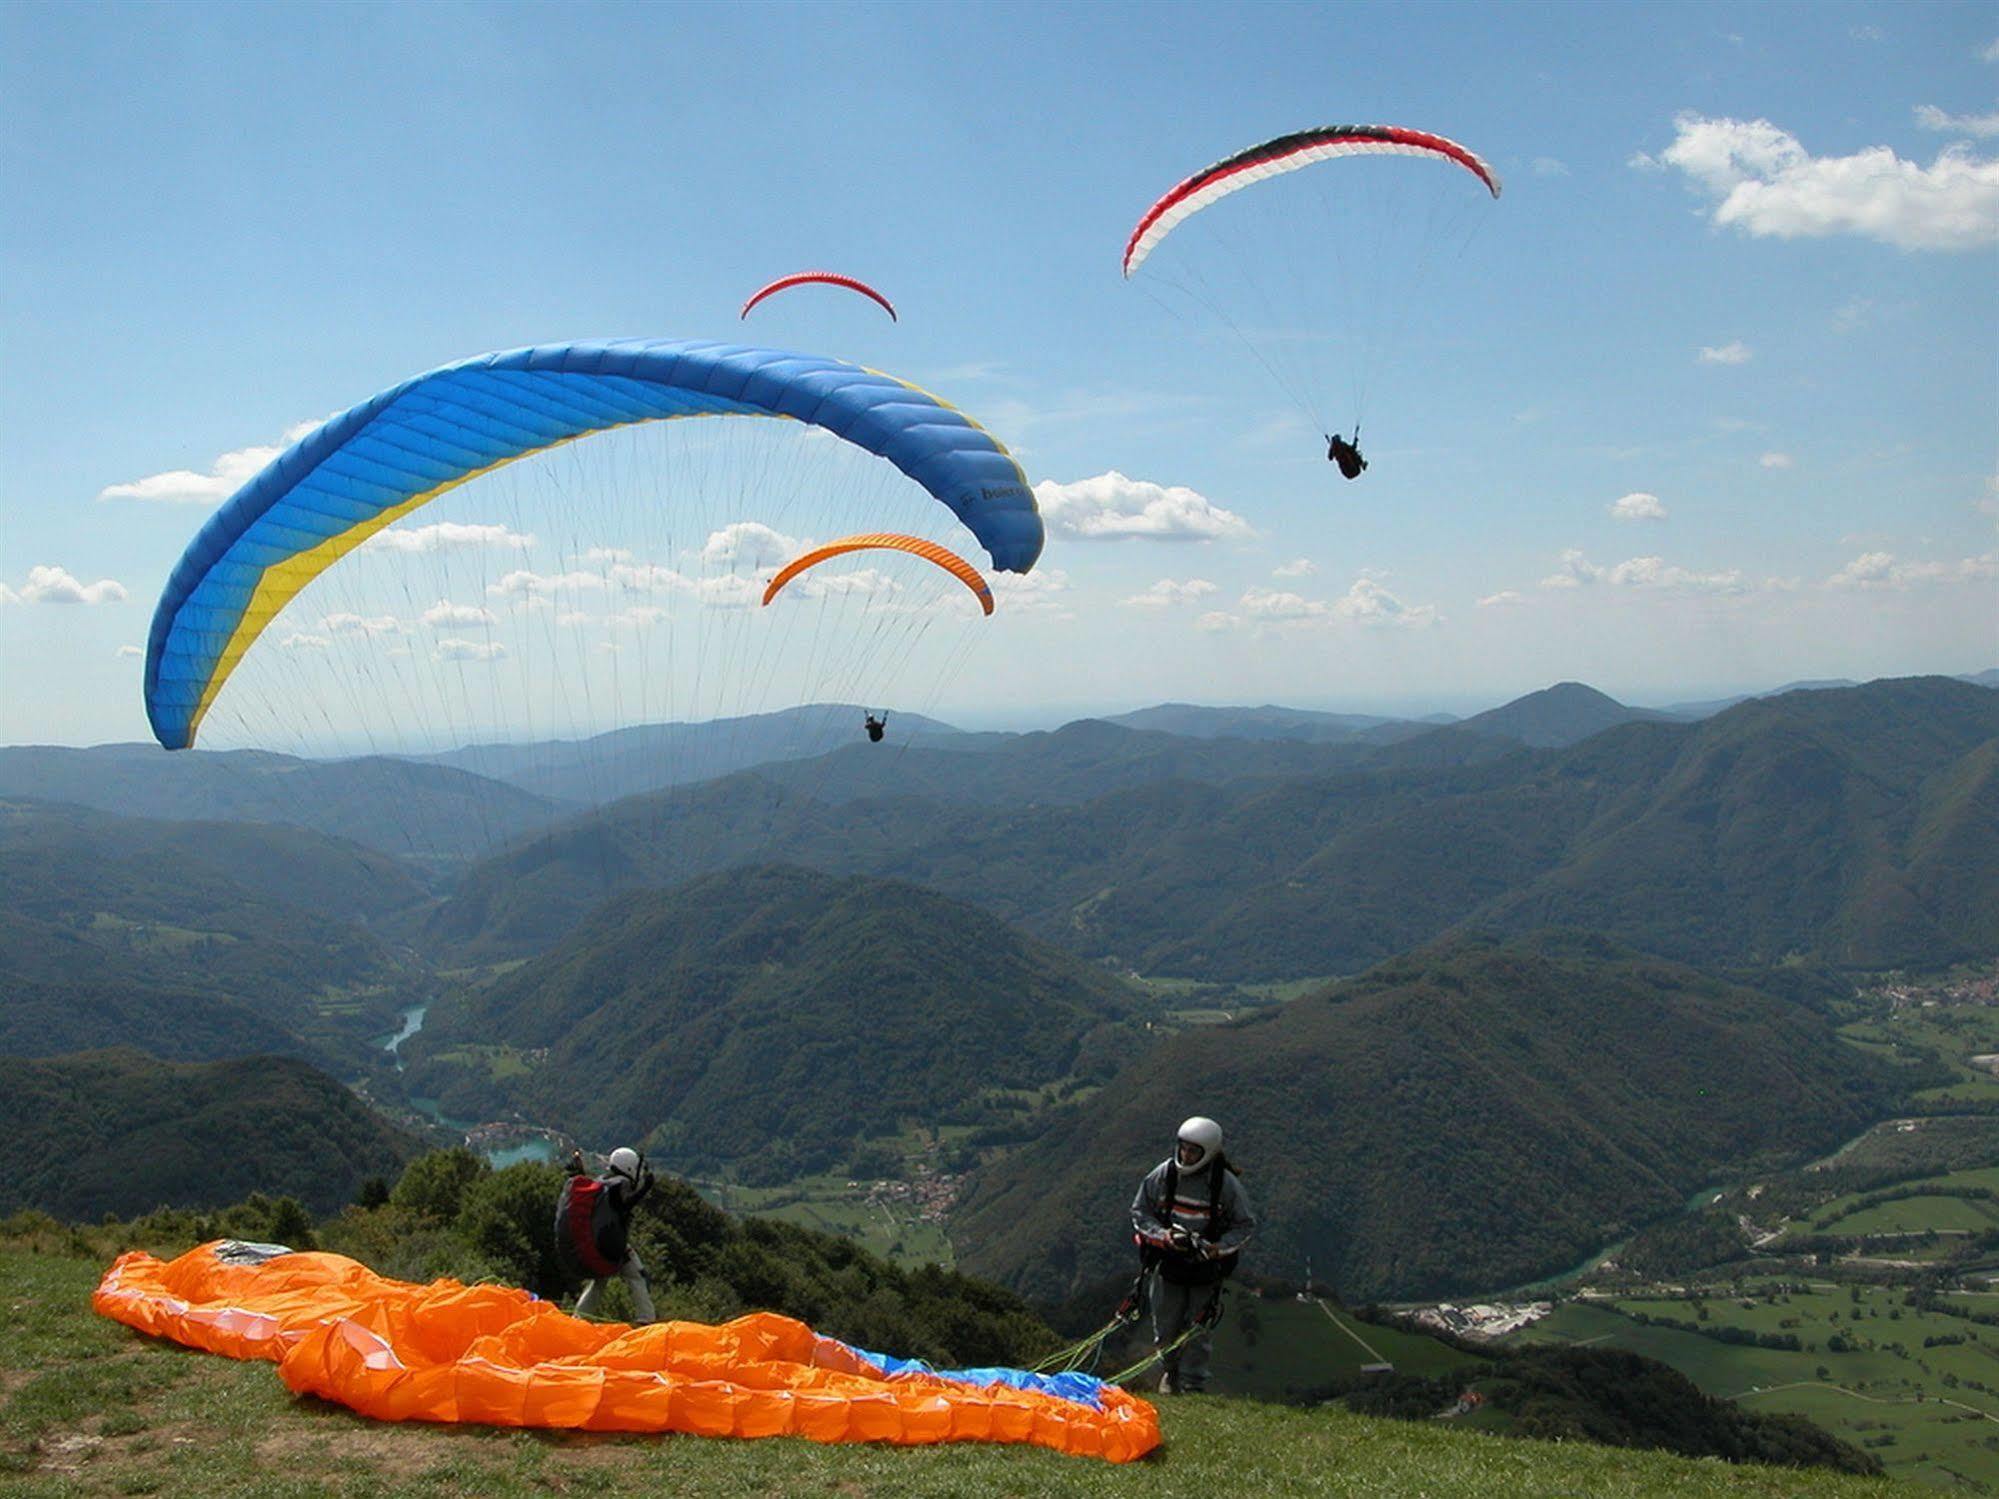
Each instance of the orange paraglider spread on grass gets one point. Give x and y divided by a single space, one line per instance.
499 1356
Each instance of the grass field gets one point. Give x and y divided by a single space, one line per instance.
1951 1032
88 1408
1914 1407
1279 1347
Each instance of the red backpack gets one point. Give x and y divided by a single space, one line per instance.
576 1212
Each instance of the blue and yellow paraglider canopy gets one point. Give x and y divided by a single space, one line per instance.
370 466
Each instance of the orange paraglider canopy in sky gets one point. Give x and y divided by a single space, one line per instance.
498 1356
890 541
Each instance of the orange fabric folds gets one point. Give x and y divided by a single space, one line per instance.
496 1355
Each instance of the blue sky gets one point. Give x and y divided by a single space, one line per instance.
1710 400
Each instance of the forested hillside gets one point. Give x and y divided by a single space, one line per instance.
122 1132
195 940
769 1019
1474 1115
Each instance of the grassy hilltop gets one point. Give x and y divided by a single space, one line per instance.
88 1408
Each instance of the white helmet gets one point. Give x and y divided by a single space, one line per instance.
1205 1136
625 1163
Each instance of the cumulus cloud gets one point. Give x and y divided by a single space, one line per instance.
748 543
1297 567
1736 352
1365 603
226 474
1279 606
729 591
53 585
1654 573
867 580
1368 603
1216 622
1637 506
1506 598
299 641
1762 180
525 586
1111 507
449 535
1776 460
455 649
1548 166
650 576
130 650
1883 570
1042 591
1931 118
443 612
361 624
1168 592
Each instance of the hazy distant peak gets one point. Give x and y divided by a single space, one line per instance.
1556 716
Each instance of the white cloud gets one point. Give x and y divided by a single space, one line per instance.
1736 352
650 576
1040 592
1168 592
226 474
1368 603
866 580
454 649
48 584
1866 33
748 543
1277 605
1111 507
638 615
1653 573
524 585
729 591
1776 460
1365 603
1990 53
1881 570
1637 506
1506 598
1931 118
358 624
1548 166
1851 314
1763 180
443 612
449 535
297 641
1215 622
1297 567
130 650
607 554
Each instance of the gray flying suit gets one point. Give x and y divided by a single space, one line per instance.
1184 1284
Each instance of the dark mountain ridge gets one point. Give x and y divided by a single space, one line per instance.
1851 824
